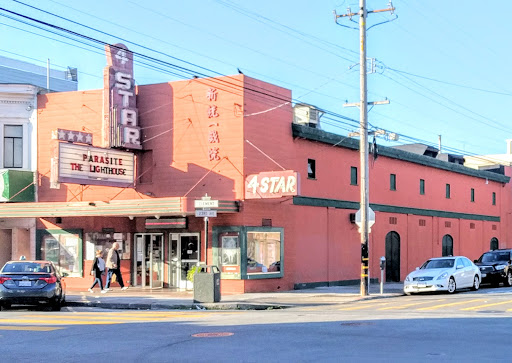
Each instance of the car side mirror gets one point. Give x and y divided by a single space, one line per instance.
475 261
65 274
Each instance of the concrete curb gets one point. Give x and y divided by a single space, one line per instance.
171 306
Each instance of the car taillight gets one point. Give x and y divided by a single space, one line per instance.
49 280
4 279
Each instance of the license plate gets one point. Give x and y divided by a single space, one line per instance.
422 284
483 275
25 283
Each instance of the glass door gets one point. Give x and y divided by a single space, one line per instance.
148 264
183 254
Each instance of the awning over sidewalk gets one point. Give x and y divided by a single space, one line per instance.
115 208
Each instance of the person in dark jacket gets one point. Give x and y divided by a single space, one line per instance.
97 270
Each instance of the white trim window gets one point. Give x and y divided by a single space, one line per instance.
13 146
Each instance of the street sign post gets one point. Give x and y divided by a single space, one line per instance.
203 210
206 203
206 213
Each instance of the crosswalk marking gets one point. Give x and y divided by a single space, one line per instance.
364 306
96 318
487 305
27 327
409 305
450 304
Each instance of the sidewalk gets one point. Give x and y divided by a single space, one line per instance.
162 299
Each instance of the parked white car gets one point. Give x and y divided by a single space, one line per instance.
443 274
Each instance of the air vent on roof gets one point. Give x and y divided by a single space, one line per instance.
306 115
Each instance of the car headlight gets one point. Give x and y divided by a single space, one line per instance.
443 276
500 267
407 278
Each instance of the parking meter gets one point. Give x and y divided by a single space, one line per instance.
382 267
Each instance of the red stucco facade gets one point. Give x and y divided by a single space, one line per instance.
252 124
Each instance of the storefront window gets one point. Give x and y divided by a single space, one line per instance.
230 249
63 248
248 252
263 252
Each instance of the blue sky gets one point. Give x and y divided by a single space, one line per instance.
444 65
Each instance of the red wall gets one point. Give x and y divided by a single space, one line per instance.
254 129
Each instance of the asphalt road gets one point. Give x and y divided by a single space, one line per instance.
468 326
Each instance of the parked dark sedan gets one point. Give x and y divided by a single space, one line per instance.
496 267
31 283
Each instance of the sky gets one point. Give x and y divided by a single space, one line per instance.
443 65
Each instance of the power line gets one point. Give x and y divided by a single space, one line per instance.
336 117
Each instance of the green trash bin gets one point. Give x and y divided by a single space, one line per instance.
207 284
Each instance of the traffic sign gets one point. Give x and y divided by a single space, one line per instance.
206 203
371 218
206 213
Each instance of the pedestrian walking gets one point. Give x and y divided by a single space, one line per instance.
97 270
114 268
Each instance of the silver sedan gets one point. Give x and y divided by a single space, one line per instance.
443 274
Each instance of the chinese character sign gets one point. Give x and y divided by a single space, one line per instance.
213 134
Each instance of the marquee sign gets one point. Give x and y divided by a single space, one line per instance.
121 99
72 136
89 165
274 184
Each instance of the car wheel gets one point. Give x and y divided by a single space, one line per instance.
509 279
451 285
5 306
476 283
55 305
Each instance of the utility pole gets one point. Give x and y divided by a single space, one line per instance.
363 141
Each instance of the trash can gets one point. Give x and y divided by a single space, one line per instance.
207 284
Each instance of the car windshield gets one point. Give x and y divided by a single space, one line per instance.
445 263
27 267
495 256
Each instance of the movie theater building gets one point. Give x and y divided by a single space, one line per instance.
145 166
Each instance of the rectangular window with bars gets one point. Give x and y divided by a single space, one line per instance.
393 220
447 224
471 226
423 223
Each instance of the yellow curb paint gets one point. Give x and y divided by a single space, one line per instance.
450 304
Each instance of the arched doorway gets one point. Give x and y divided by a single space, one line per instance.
447 245
392 257
494 244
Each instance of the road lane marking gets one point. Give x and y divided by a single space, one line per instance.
364 306
450 304
121 318
31 328
487 305
409 305
57 322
